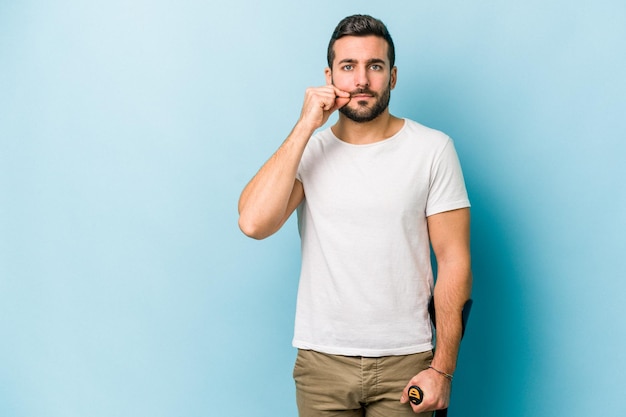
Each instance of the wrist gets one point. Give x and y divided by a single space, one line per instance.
442 373
305 127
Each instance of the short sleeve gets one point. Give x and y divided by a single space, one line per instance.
447 186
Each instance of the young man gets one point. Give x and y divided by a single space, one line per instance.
373 192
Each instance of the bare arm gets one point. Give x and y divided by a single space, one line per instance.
274 192
449 235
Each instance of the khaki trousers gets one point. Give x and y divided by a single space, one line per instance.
351 386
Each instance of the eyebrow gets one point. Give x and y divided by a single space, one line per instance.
369 62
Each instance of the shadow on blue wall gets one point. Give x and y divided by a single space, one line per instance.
495 360
492 370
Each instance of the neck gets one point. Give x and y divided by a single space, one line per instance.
381 128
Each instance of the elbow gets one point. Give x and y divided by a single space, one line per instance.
252 229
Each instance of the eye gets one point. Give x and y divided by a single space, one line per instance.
376 67
347 67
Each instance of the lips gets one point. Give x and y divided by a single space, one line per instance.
362 94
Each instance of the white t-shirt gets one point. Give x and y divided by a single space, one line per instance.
366 276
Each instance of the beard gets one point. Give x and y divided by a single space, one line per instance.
364 114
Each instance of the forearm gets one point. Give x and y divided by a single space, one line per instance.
273 193
452 290
264 202
453 287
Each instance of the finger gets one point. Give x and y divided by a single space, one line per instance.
341 98
341 93
325 99
419 408
330 98
341 101
404 398
328 104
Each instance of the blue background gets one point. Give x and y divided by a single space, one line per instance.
128 129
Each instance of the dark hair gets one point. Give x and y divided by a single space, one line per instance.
361 25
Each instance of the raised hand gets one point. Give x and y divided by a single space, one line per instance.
320 103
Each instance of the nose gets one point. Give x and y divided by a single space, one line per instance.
360 78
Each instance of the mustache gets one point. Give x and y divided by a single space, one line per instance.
362 91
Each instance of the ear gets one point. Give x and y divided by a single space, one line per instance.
329 76
394 77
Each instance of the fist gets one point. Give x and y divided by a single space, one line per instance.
320 103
